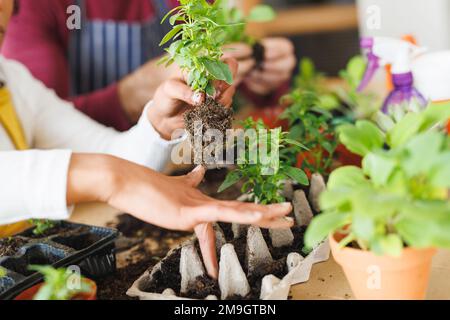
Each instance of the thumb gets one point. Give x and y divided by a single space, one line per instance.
195 177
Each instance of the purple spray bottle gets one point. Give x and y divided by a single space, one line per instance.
398 53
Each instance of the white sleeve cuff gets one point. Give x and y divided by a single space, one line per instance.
147 126
34 185
143 144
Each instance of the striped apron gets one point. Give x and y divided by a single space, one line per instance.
103 52
11 123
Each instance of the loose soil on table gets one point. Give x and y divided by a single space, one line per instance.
9 246
115 286
211 115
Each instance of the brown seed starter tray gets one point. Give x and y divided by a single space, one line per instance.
254 263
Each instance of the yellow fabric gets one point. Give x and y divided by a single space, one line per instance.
10 122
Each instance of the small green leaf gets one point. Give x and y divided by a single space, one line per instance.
232 178
405 129
219 70
262 13
391 245
295 143
361 138
347 177
379 168
322 226
297 175
172 33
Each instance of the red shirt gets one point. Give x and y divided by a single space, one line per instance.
39 38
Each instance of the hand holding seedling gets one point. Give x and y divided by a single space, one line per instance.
174 97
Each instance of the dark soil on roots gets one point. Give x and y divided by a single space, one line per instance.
259 53
9 246
212 115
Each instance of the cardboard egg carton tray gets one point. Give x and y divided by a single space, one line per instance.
238 270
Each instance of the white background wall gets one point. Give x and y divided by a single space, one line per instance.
427 20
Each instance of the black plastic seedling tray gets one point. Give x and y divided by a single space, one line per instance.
90 248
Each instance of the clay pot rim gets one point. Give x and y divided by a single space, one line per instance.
354 258
84 296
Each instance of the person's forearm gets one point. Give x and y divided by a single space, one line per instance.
91 178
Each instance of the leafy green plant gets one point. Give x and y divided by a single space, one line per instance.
400 195
41 226
311 124
265 182
197 44
392 130
56 285
309 79
232 15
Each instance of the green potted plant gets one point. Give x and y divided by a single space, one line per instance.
60 284
264 182
386 219
310 123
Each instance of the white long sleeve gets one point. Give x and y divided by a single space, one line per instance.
33 183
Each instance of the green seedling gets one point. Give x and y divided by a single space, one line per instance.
41 226
311 124
59 284
2 272
265 188
197 44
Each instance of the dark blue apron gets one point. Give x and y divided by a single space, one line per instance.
103 52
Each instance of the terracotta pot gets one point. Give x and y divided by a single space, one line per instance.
373 277
88 296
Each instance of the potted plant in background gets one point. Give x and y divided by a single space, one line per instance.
386 219
310 124
264 183
60 284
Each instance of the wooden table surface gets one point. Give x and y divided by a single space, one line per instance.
327 279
